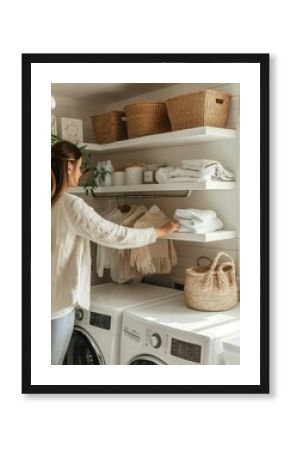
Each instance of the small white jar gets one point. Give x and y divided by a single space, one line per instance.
134 175
118 178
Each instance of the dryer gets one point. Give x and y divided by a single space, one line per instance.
169 332
97 333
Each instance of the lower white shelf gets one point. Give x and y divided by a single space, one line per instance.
202 237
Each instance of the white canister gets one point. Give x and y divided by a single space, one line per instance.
118 178
134 175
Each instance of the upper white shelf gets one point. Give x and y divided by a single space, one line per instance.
170 139
200 186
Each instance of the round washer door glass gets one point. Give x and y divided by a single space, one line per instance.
82 350
145 360
142 362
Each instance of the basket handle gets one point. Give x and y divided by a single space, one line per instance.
220 101
204 257
225 264
223 279
216 260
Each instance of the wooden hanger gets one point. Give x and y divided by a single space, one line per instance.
125 208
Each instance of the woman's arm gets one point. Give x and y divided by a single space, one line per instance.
90 225
169 227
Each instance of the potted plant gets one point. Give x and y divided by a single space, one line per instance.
92 176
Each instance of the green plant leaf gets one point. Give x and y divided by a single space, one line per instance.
54 139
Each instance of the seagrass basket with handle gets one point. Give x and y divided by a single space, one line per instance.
199 109
212 287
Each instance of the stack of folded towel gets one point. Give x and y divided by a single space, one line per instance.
197 220
194 170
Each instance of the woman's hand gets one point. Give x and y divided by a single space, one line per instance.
169 227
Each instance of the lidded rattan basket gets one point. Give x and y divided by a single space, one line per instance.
212 287
145 118
109 127
199 109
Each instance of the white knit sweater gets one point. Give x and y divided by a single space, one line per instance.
73 225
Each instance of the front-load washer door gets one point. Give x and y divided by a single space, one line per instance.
145 360
83 350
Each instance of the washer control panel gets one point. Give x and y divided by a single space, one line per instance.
186 350
100 320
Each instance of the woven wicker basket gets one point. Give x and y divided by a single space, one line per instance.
146 118
212 287
198 109
109 127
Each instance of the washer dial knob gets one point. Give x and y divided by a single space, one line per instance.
79 314
155 340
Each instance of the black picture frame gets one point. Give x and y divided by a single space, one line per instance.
247 58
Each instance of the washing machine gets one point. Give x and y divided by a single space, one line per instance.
169 332
232 350
97 333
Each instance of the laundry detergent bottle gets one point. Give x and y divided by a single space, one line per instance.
109 170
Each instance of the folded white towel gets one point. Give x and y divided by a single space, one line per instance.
208 167
196 216
193 170
196 163
192 173
188 227
177 175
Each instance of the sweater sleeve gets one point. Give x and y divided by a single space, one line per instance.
87 223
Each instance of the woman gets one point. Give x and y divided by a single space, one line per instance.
73 225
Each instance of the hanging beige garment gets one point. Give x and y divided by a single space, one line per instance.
105 255
158 257
121 270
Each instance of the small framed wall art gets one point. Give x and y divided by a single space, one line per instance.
71 129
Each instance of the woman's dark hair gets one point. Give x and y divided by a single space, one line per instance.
61 153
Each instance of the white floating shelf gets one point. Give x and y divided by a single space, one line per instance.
202 237
170 139
200 186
